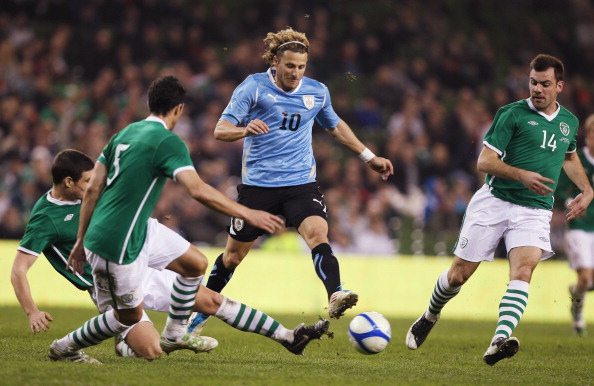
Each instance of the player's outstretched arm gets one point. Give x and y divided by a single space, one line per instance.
76 260
575 171
490 163
38 320
212 198
343 134
228 132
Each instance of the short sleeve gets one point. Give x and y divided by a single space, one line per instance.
105 153
242 100
326 117
573 145
40 233
172 156
501 131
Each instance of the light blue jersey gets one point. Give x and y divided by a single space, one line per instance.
284 155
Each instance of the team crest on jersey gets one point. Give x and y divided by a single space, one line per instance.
463 242
237 224
309 101
564 127
68 217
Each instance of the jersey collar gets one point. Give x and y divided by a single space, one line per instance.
271 77
55 201
547 117
152 118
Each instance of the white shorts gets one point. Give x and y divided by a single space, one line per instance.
579 246
488 219
122 286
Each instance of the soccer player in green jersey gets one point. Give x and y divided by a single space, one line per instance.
120 243
524 150
52 229
579 238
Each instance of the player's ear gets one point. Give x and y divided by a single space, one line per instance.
68 182
560 85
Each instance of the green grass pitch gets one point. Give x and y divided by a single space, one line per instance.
549 354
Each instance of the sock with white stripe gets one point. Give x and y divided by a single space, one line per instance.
94 331
245 318
326 265
183 297
442 293
511 308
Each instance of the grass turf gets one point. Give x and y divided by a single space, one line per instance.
549 354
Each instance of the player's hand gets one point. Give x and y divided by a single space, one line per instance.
266 221
256 127
578 205
536 183
39 321
76 260
383 166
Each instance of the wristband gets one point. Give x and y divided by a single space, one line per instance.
366 155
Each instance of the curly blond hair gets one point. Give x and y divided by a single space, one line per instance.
296 41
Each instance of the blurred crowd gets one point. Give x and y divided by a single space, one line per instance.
418 81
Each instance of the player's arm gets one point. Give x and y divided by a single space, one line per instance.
489 162
76 260
228 132
343 134
38 320
212 198
575 171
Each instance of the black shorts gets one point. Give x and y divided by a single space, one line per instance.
294 203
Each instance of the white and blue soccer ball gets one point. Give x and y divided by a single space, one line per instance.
370 332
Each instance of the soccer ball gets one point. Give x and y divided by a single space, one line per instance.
370 332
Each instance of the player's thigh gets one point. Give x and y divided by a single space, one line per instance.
157 289
484 224
529 227
579 247
254 197
119 286
314 230
301 202
163 245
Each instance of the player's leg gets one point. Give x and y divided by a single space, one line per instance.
579 246
165 249
314 230
245 318
522 262
528 241
134 342
120 294
220 274
448 285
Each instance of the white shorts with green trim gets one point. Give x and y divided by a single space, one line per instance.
124 286
489 219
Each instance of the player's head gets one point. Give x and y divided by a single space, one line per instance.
166 95
287 51
589 132
71 172
546 82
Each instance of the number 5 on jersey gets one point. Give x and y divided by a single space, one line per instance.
122 147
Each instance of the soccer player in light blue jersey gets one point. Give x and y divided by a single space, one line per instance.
274 112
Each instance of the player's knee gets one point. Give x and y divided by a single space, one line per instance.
198 265
232 259
151 352
457 278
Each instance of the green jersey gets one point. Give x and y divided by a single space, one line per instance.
529 139
52 230
566 190
138 160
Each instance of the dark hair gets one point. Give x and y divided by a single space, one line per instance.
70 163
164 94
543 61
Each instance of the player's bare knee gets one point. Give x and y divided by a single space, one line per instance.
232 259
151 352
